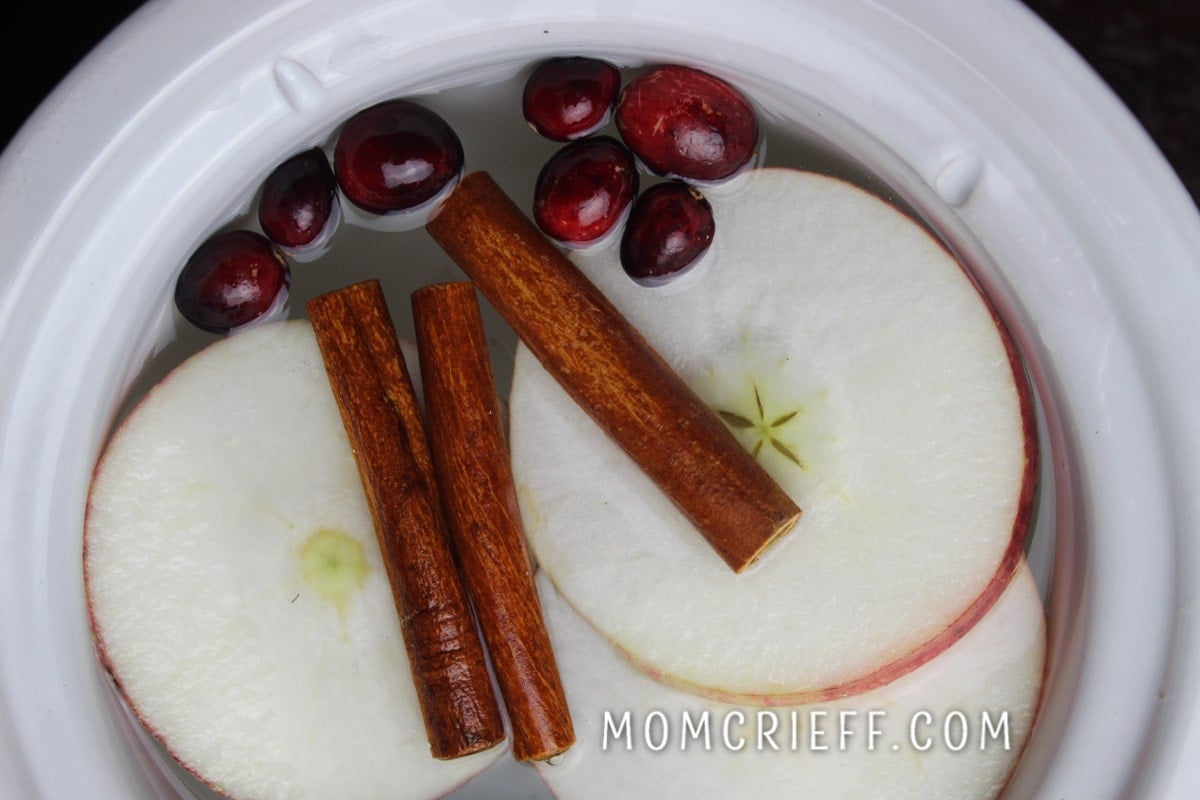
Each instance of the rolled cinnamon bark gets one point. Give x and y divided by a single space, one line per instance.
613 373
382 419
471 462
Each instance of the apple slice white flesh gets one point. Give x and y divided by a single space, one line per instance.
236 589
847 349
950 730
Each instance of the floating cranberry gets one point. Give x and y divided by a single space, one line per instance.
686 123
584 189
232 279
670 227
395 156
566 98
298 200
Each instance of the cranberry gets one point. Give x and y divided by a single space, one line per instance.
584 189
232 279
396 155
298 199
670 227
566 98
686 123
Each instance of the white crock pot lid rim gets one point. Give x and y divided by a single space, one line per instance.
1169 233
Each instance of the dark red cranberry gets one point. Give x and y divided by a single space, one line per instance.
670 227
298 200
566 98
686 123
232 279
395 156
584 189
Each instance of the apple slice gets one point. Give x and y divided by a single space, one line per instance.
952 729
854 357
236 590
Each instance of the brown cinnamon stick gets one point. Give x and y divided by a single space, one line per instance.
379 409
471 461
611 371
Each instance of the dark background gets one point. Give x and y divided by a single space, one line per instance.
1147 50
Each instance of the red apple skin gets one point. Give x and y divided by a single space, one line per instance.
102 656
966 620
686 123
1012 555
895 669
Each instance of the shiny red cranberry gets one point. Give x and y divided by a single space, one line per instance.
231 280
584 189
298 199
688 124
396 156
567 98
670 227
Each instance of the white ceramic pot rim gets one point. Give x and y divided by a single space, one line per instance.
980 117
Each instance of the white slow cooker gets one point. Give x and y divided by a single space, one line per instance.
971 110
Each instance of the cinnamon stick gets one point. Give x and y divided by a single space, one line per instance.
613 373
471 462
379 409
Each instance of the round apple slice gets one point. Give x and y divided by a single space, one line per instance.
236 589
952 729
853 356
